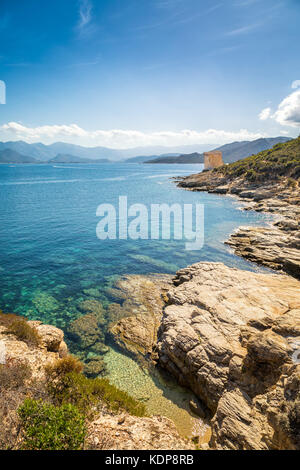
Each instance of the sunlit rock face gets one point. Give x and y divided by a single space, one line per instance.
231 336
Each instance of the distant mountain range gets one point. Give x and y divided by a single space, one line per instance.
66 158
11 156
145 159
231 152
21 152
45 153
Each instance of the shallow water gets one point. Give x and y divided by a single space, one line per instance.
51 259
160 394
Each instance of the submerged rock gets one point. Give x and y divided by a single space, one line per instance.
138 318
94 367
85 331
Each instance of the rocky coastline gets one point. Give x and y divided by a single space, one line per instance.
233 336
229 335
276 247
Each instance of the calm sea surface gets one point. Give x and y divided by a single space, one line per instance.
49 251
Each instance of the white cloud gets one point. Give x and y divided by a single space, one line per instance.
265 114
288 111
118 138
296 84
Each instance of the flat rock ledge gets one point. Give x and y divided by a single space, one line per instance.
233 337
278 246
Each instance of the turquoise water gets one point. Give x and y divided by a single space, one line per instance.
49 252
51 260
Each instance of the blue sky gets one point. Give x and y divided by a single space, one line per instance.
122 73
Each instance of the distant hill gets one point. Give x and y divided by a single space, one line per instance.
11 156
282 161
231 152
194 157
145 159
66 158
238 150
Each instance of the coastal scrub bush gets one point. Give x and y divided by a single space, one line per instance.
63 366
89 394
283 160
24 332
18 326
14 373
47 427
6 319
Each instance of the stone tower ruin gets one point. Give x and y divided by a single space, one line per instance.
213 160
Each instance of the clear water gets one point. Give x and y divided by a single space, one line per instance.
49 252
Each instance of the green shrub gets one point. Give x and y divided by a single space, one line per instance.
47 427
24 332
63 366
88 394
283 160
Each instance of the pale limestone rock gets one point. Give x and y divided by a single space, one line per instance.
227 334
51 337
130 433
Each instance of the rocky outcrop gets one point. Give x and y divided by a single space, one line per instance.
138 317
125 432
51 347
105 431
277 247
232 337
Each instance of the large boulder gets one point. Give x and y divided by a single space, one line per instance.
230 336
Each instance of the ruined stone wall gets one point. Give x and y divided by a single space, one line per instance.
213 159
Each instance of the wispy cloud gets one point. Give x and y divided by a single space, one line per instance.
246 3
85 26
179 17
243 30
121 138
85 13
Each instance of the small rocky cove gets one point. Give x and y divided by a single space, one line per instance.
212 353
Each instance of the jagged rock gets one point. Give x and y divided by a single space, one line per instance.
277 247
228 335
51 337
268 347
197 408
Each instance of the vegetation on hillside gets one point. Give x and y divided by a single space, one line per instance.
282 161
51 413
